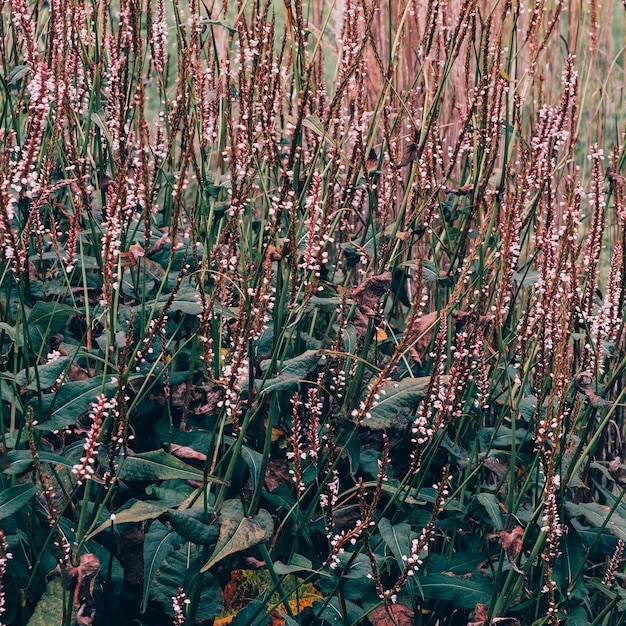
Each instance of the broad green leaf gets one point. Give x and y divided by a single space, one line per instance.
491 503
292 372
20 460
42 376
46 319
354 566
14 498
577 616
180 569
397 538
297 563
189 524
461 563
501 437
159 543
252 458
49 609
464 592
333 613
598 516
156 465
71 400
239 533
10 331
138 511
430 271
397 401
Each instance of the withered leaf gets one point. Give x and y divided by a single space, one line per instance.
392 615
512 542
185 452
373 288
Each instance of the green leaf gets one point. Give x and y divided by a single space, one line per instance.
239 533
20 460
159 543
292 372
189 524
14 498
577 616
10 331
598 516
45 319
49 609
430 271
42 376
138 511
157 465
465 592
333 614
180 569
491 503
358 567
397 401
397 538
501 437
71 400
252 458
297 563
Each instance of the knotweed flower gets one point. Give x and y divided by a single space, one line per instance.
84 470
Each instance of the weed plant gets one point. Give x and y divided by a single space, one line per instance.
312 314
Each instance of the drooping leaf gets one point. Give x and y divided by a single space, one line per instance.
397 401
42 376
238 532
297 563
491 503
189 524
49 609
138 511
502 437
180 569
397 538
157 465
20 460
333 613
597 515
71 400
45 319
159 543
14 498
292 372
464 592
252 458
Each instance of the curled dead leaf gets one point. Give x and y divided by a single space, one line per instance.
84 578
583 382
185 452
512 542
393 615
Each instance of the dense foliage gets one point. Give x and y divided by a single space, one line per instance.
312 314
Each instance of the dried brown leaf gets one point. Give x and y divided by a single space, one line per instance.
512 542
185 452
392 615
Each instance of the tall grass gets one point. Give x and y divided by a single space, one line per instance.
312 314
